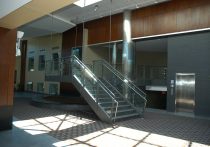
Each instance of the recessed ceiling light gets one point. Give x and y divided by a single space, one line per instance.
84 3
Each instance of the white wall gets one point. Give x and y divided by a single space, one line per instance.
46 45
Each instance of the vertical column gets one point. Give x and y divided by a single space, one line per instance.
7 68
114 55
127 55
23 64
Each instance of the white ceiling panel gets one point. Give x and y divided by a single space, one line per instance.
8 6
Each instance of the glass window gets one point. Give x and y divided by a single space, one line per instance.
77 52
55 57
40 87
53 89
31 64
41 62
30 86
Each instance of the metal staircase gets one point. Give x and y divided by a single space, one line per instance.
110 95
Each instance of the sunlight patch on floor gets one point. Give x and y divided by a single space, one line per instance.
126 137
52 123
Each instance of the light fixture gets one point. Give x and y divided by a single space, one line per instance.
96 8
137 6
84 3
19 36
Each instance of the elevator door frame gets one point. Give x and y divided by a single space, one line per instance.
176 87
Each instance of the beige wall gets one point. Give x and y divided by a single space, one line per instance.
93 53
51 44
17 68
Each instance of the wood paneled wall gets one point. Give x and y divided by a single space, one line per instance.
99 30
71 38
7 65
169 17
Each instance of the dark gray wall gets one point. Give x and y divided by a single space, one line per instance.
191 54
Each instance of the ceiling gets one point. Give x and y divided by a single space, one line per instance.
17 13
66 18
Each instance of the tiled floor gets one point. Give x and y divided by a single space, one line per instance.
84 129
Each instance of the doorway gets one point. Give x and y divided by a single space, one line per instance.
185 92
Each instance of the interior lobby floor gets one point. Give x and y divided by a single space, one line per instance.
33 126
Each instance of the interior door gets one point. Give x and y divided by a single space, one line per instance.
185 92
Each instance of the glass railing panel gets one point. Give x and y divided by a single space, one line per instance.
130 92
95 88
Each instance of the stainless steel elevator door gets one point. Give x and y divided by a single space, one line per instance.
185 92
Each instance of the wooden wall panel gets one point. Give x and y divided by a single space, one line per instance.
71 38
169 17
99 30
117 27
7 65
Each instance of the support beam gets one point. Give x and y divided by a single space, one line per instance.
128 53
114 55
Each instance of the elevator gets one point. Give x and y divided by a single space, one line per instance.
185 92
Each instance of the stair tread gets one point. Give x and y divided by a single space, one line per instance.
118 106
120 111
111 102
126 115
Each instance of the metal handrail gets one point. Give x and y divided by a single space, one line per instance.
119 75
110 93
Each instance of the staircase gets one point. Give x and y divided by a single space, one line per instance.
110 95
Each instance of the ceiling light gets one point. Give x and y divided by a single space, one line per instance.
96 8
137 6
84 3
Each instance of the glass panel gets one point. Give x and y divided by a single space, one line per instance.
96 89
41 62
105 72
40 87
31 64
56 61
53 89
30 86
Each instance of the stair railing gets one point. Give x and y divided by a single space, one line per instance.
131 92
79 68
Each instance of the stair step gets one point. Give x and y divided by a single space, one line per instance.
111 102
126 116
120 107
122 111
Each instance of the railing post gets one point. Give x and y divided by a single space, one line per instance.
102 71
